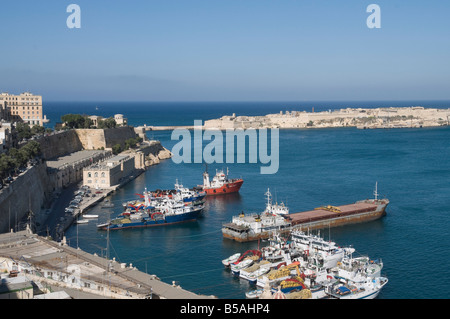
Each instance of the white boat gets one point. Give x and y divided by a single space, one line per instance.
327 253
349 290
82 221
246 272
276 275
253 277
90 216
233 258
254 294
236 268
249 227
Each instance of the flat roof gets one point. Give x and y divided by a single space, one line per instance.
73 158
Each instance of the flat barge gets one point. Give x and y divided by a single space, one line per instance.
249 228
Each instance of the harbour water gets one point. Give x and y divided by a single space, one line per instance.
317 167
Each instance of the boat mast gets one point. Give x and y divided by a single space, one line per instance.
376 191
268 194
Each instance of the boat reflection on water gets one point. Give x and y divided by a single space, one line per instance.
221 203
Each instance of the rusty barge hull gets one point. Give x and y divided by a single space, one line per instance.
362 211
349 214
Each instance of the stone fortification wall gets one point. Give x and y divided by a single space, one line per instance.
60 144
71 141
29 192
118 136
93 139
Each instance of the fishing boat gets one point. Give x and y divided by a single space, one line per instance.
237 266
253 277
325 254
276 275
289 285
160 213
254 294
348 290
251 271
188 195
220 184
233 258
248 227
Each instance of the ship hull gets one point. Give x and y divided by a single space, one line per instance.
149 222
362 211
231 187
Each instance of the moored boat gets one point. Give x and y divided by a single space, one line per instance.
237 266
233 258
253 227
220 184
155 213
254 294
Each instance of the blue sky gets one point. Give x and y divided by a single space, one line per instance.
217 50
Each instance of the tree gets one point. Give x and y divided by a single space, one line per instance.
76 121
116 149
37 130
23 131
107 123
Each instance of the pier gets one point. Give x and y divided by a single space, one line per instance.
58 266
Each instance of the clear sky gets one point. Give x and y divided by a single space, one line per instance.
226 50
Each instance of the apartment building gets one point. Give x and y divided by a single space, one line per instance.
25 107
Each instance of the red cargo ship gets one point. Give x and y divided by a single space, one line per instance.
221 184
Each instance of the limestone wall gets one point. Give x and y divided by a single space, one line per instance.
60 144
92 139
29 191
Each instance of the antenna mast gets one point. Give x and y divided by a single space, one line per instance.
376 191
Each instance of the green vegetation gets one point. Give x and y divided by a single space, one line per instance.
129 143
83 121
25 132
12 161
107 123
76 121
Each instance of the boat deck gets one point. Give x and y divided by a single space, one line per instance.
321 214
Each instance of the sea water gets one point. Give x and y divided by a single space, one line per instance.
318 167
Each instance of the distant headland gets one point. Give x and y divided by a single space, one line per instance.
361 118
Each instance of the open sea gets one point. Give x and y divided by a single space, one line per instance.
316 167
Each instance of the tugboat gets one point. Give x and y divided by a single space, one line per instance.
220 184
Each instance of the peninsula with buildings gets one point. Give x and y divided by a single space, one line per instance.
361 118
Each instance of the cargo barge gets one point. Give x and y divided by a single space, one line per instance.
253 227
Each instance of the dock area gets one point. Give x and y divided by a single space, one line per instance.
58 266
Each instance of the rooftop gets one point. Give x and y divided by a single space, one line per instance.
40 253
